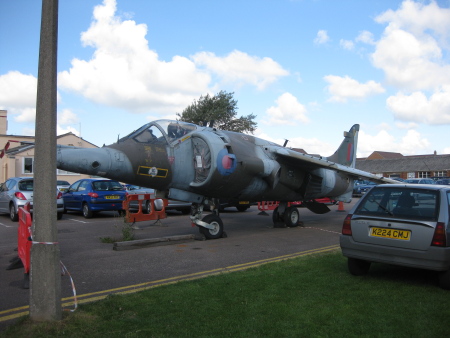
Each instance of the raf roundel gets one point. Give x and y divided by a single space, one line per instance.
226 163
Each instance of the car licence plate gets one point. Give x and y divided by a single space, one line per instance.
244 202
404 235
112 197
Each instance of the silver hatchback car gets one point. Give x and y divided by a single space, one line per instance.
400 224
17 191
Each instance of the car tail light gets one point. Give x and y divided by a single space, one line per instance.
347 227
439 237
20 196
93 194
59 195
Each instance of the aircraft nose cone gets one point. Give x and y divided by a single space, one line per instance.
104 162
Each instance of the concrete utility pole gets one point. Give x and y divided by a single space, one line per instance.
45 272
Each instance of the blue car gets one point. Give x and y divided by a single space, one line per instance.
93 195
361 187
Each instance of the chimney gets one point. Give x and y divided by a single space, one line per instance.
3 122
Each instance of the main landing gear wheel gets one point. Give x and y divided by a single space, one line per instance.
215 221
291 217
277 219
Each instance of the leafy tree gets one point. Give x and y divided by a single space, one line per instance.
220 108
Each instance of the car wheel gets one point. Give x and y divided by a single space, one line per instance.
59 215
147 207
444 279
87 212
358 267
214 220
292 217
13 214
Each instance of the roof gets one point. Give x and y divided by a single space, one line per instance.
384 155
30 145
405 164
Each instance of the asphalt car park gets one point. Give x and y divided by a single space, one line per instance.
98 270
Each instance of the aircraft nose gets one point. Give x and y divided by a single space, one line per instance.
104 162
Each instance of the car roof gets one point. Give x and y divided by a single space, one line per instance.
414 186
97 179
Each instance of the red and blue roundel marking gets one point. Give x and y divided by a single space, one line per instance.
350 152
226 163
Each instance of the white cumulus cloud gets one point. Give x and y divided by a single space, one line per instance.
321 37
411 143
413 54
18 95
419 108
344 88
125 73
287 111
240 68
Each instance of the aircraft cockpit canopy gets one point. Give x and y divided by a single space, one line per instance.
161 131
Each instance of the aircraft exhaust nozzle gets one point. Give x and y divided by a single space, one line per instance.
105 162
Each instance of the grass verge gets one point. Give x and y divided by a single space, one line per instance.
311 296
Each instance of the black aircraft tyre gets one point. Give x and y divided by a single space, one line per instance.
214 220
277 220
292 217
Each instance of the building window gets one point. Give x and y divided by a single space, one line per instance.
424 174
440 173
28 165
411 175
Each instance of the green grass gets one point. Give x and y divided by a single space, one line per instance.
311 296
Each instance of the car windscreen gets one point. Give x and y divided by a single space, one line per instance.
411 204
107 186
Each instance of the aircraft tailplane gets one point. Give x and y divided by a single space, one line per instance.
346 153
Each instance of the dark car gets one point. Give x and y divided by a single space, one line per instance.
94 195
420 181
360 187
400 224
443 181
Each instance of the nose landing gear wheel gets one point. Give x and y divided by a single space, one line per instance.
215 221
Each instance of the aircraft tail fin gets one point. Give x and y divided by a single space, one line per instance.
346 153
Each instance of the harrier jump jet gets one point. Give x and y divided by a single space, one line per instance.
200 164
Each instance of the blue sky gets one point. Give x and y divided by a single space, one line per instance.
309 69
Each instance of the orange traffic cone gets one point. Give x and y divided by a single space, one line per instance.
341 206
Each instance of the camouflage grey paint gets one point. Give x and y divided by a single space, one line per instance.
191 163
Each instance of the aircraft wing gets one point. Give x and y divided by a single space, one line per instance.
312 162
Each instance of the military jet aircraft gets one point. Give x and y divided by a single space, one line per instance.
202 164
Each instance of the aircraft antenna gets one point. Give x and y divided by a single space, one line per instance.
285 143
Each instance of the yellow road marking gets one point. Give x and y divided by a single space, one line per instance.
99 295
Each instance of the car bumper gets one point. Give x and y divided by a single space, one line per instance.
435 258
59 207
105 206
